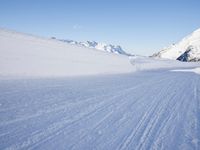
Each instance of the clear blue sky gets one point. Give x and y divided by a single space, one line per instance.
139 26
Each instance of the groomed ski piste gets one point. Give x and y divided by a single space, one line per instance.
54 95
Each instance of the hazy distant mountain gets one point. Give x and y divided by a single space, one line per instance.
99 46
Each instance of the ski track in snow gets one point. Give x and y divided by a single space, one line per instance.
145 110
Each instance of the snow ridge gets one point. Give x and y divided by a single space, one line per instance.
32 56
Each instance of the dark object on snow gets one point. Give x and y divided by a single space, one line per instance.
185 56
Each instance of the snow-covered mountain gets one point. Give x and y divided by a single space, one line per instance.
188 49
99 46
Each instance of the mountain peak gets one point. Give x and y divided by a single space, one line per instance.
188 49
99 46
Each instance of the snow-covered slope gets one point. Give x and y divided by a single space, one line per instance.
188 49
99 46
27 55
151 110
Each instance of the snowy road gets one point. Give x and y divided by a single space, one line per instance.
145 110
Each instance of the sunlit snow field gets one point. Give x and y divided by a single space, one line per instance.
59 96
144 110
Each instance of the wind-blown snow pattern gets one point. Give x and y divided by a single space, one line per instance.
146 110
187 49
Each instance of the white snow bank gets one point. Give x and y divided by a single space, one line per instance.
27 55
195 70
147 63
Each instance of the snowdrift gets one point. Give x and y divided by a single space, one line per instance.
27 55
144 63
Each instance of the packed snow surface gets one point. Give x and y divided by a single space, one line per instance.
195 70
156 109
